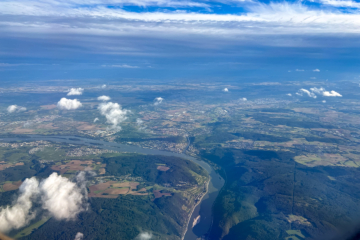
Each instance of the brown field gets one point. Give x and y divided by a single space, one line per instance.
131 185
11 186
306 110
102 171
7 165
48 107
118 191
22 130
46 126
73 165
312 160
86 126
159 194
112 189
162 168
100 186
139 194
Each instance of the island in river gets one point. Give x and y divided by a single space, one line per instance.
290 162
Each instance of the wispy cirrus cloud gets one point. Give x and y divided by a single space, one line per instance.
176 28
340 3
120 66
279 18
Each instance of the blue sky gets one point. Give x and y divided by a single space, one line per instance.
245 40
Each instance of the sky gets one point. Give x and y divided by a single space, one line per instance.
235 40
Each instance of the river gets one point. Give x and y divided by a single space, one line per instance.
204 209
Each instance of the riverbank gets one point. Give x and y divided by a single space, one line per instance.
212 189
193 209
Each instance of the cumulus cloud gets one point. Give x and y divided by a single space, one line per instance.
158 100
61 197
81 181
299 70
96 119
139 121
303 91
140 124
79 236
68 104
20 213
144 236
114 113
324 101
316 70
325 93
15 108
103 86
289 94
103 98
244 99
317 90
75 91
225 90
27 124
331 94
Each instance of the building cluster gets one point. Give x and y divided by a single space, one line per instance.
79 152
40 143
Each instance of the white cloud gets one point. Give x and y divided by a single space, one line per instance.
323 101
313 78
139 121
113 113
120 66
289 94
62 198
103 86
299 70
20 213
104 98
244 99
79 236
96 119
75 91
158 100
225 90
317 90
144 236
325 93
275 18
15 64
341 3
15 108
307 92
140 124
331 94
316 70
68 104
